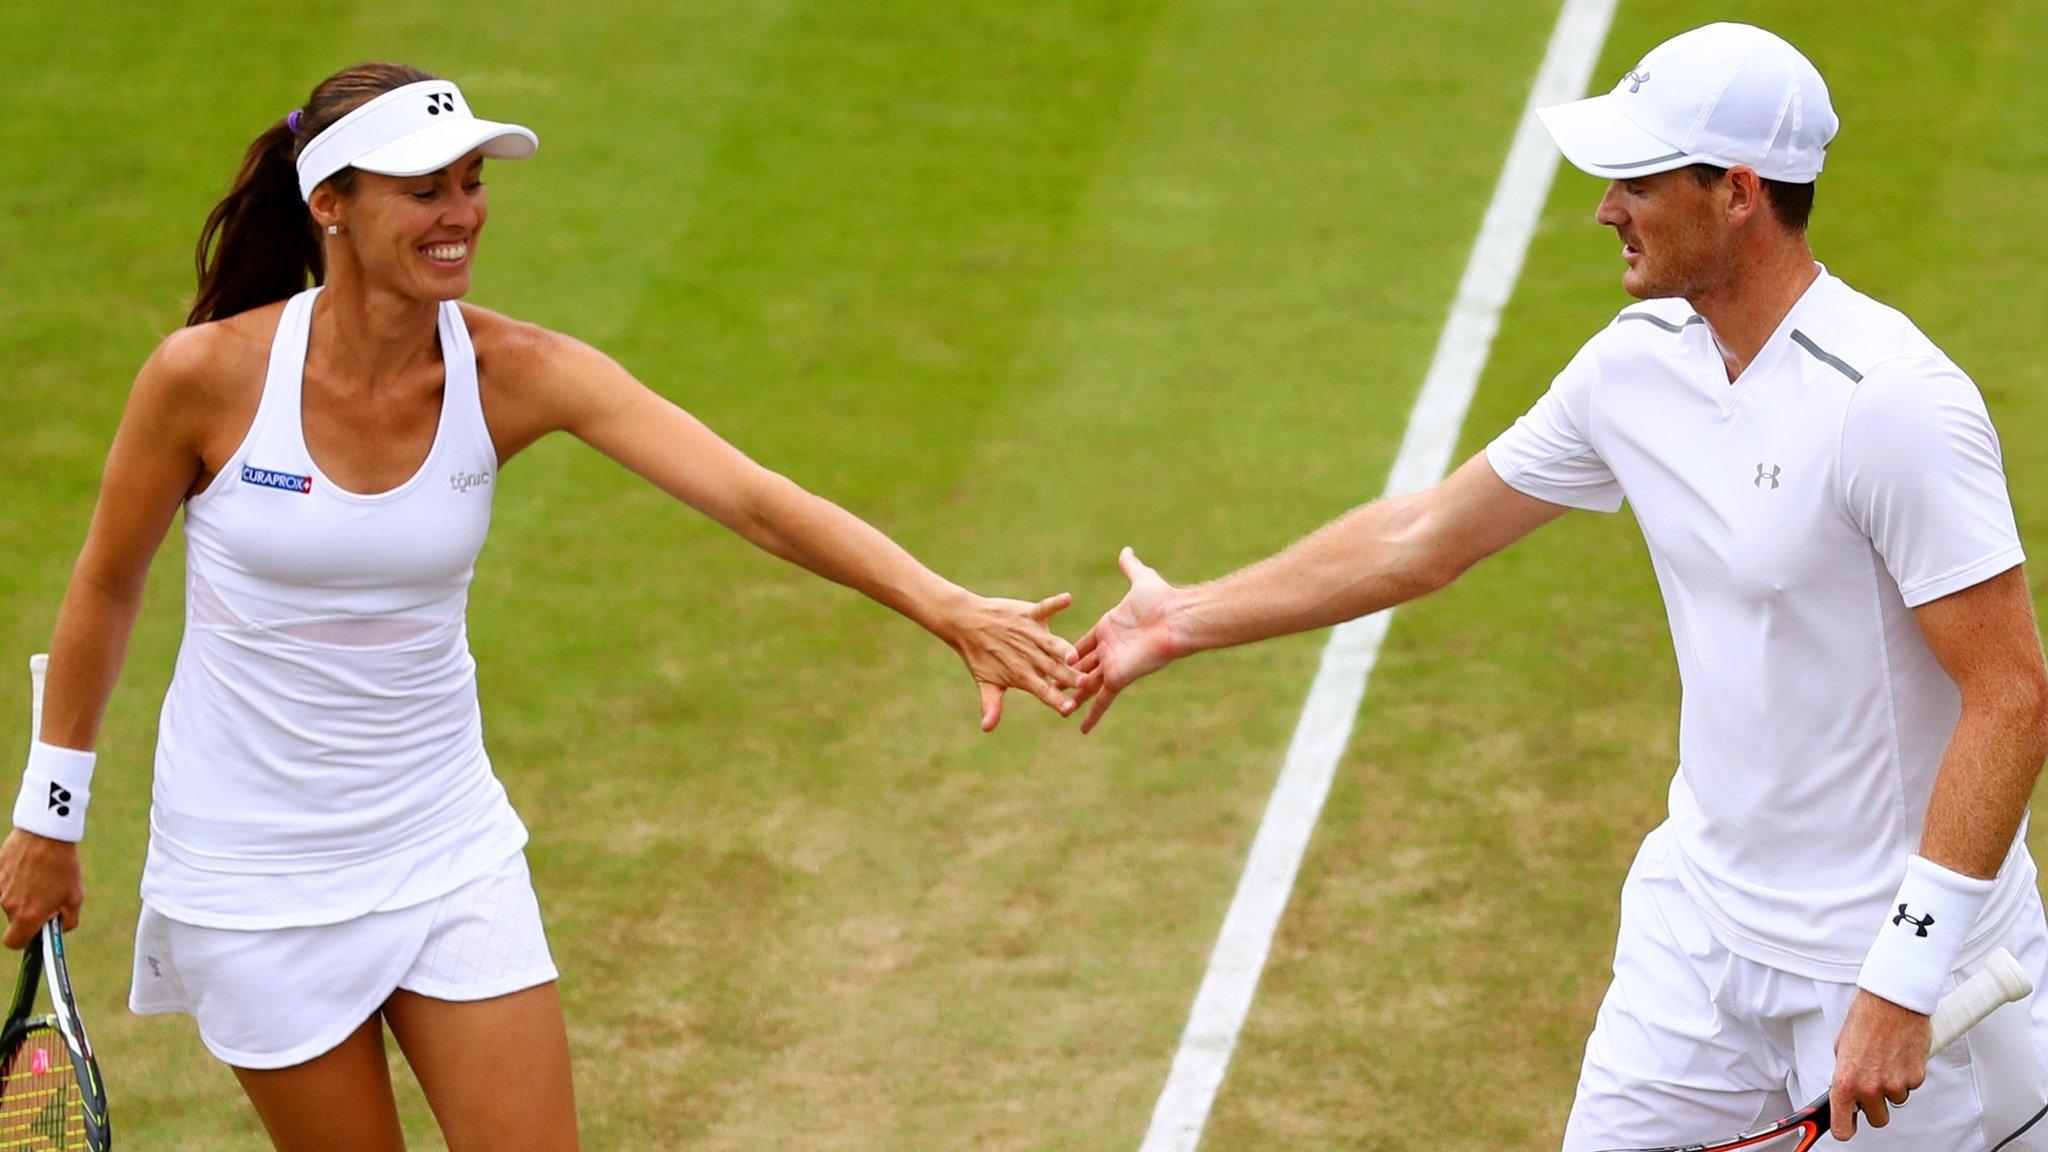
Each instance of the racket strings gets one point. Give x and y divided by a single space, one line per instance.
40 1106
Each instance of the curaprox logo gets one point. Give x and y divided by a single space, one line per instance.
282 481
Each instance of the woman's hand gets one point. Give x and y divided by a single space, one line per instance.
1006 644
39 880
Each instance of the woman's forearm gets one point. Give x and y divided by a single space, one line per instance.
814 533
94 626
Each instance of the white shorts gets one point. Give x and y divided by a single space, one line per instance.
276 997
1694 1043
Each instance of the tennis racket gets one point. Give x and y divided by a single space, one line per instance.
51 1099
1998 983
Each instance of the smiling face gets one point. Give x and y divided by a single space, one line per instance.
414 235
1676 234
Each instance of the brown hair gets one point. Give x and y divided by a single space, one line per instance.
259 244
1791 203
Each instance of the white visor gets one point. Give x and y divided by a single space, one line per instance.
409 131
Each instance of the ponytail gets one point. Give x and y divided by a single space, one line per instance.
258 245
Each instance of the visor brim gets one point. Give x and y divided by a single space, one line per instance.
1600 141
438 145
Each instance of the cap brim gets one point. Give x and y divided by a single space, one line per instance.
1598 139
438 145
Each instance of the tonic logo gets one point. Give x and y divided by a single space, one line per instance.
282 481
1767 474
1636 82
439 102
464 481
1920 923
60 800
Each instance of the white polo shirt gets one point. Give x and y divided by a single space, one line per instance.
1794 518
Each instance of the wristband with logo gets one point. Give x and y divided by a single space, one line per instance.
1925 926
54 790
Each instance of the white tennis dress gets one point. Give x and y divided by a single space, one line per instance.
324 813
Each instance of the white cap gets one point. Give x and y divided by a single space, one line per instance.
1725 94
408 131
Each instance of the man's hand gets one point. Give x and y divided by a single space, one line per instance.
39 879
1131 640
1880 1056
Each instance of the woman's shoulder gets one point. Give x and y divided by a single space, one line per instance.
511 352
219 361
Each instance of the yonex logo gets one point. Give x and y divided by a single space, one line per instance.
1767 472
60 800
1920 923
439 102
282 481
1636 82
464 481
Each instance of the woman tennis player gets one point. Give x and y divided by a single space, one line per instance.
329 850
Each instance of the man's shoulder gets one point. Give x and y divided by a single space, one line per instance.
1645 328
1856 334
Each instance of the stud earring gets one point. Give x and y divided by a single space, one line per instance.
334 229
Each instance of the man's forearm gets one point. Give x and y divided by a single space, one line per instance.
1371 558
1986 778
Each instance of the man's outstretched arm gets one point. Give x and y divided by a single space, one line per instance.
1372 557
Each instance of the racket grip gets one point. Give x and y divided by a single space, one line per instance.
38 668
1999 982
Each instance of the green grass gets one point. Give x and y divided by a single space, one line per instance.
1022 283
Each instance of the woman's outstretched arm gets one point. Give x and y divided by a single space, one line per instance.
555 382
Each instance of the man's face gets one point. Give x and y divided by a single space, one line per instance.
1675 234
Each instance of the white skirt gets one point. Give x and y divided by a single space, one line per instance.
273 998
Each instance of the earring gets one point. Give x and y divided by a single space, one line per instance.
334 229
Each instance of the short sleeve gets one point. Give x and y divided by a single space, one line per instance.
1548 453
1923 477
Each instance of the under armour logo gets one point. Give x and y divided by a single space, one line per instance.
1767 472
1920 923
60 800
1636 82
439 102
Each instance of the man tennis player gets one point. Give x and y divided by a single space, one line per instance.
1865 708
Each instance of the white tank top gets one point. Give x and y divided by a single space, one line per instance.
320 754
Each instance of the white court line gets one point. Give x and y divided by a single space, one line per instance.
1325 727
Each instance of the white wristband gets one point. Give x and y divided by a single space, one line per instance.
1925 925
54 790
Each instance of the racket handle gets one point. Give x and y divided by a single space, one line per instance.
1999 982
38 668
